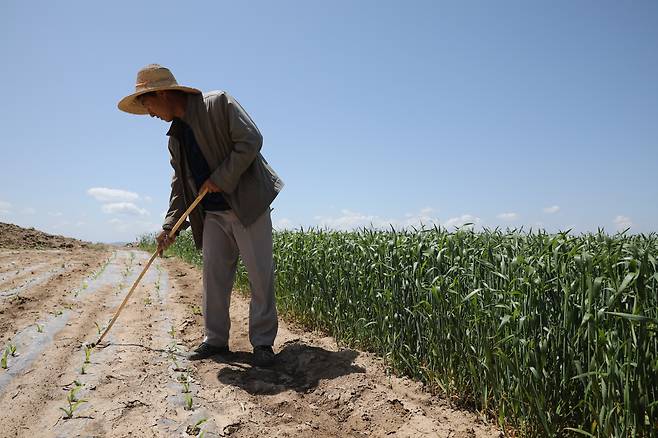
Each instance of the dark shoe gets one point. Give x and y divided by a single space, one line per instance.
263 356
205 351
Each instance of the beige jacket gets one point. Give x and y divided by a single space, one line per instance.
230 142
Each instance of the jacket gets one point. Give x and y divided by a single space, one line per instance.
231 143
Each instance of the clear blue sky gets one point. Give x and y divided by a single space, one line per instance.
500 113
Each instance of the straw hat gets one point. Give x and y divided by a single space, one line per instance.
153 77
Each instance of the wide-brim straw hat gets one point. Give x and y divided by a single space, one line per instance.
153 77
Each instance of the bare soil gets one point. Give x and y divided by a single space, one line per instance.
53 301
13 236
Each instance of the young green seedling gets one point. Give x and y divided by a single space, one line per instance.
158 283
188 402
102 269
87 353
176 366
39 328
71 396
128 265
98 327
196 429
73 402
12 349
3 361
184 379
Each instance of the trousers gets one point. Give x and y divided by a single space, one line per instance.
224 239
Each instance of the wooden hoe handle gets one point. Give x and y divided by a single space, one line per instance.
155 254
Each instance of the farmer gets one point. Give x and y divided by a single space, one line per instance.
214 144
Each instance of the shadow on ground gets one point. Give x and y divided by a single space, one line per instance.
298 366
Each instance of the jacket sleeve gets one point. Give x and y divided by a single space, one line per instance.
247 141
176 198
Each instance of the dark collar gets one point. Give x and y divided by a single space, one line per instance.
177 128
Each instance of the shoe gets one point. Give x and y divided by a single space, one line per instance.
263 356
206 350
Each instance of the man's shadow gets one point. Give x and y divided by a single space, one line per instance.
297 366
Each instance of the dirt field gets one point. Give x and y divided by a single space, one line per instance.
54 300
15 237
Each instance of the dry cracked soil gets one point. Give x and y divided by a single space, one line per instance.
139 383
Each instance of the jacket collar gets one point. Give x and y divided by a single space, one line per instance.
192 108
177 126
176 129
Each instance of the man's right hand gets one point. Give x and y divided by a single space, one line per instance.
164 241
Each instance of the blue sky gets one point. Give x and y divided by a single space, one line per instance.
542 114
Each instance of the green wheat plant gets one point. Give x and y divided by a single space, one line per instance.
548 334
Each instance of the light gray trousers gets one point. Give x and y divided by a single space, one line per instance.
224 238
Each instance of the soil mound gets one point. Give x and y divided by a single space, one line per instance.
15 237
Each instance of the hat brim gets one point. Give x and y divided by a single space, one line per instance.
131 104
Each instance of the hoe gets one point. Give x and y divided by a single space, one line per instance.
155 254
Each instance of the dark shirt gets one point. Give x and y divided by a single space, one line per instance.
197 163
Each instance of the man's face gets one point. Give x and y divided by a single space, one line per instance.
158 105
